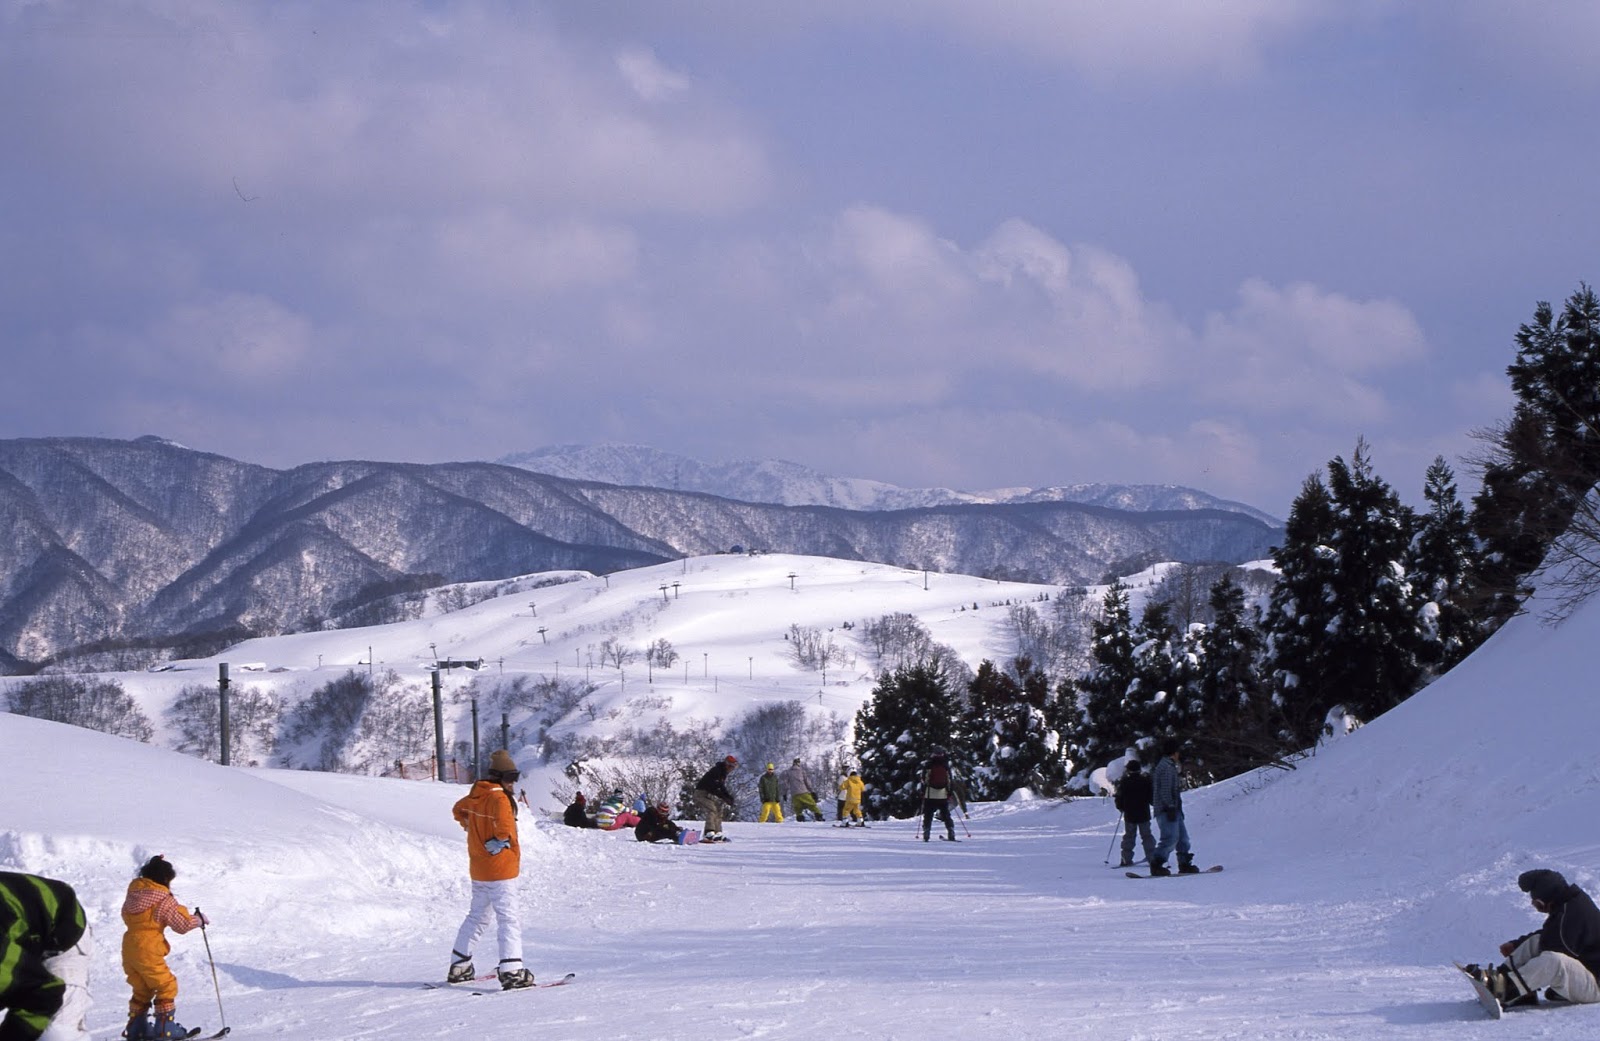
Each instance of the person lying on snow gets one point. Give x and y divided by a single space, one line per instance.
656 823
1562 958
577 815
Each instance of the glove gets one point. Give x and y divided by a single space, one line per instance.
204 921
497 846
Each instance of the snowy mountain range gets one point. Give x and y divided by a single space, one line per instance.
790 484
106 544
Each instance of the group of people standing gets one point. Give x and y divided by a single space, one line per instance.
1158 795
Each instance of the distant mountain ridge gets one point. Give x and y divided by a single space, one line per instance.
791 484
112 542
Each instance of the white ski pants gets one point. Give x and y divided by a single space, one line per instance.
1560 972
500 900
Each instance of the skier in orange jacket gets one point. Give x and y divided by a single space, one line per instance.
494 859
148 911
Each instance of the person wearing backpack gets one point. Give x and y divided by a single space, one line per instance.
939 787
1133 799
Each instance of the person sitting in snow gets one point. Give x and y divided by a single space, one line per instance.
1133 799
656 823
148 911
771 796
1562 958
577 814
44 959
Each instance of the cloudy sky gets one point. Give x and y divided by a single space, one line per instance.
940 242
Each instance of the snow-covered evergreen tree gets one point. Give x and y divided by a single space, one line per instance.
910 712
1345 631
1102 728
1301 612
1009 733
1544 461
1238 723
1442 562
1159 702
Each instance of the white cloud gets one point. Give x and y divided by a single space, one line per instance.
650 79
1301 349
243 339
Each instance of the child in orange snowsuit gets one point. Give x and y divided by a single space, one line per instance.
148 910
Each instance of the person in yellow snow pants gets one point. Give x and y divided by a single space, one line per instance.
771 804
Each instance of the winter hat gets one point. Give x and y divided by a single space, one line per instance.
771 767
1542 884
797 760
579 799
156 869
500 762
731 760
1133 766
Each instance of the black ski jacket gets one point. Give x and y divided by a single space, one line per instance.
654 825
1573 924
1133 798
715 782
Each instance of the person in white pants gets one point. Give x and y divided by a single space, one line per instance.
1562 959
488 814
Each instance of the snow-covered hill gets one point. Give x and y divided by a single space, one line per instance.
1350 881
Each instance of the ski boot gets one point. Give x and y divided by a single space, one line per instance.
1186 866
461 970
515 979
138 1028
1160 871
167 1027
1505 983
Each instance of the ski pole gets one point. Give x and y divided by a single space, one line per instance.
1114 831
214 984
964 824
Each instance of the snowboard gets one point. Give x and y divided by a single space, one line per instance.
1490 1003
562 982
688 837
568 978
1213 869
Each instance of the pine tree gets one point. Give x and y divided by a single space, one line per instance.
1442 561
909 713
1101 728
1345 632
1238 725
1546 457
1158 702
1011 732
1301 611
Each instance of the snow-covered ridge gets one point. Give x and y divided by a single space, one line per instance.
791 484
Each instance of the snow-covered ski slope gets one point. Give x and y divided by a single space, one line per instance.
1351 883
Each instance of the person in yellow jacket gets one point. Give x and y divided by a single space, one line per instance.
488 814
148 911
851 788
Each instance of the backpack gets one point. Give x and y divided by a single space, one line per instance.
938 775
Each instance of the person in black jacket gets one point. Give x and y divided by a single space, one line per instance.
1562 958
656 823
44 959
1133 799
711 795
577 815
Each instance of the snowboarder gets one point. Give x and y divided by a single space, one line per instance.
577 814
771 797
1562 958
44 959
656 823
1166 801
802 795
148 911
711 795
850 790
939 788
488 814
1133 799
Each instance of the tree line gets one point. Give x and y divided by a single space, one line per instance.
1371 602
